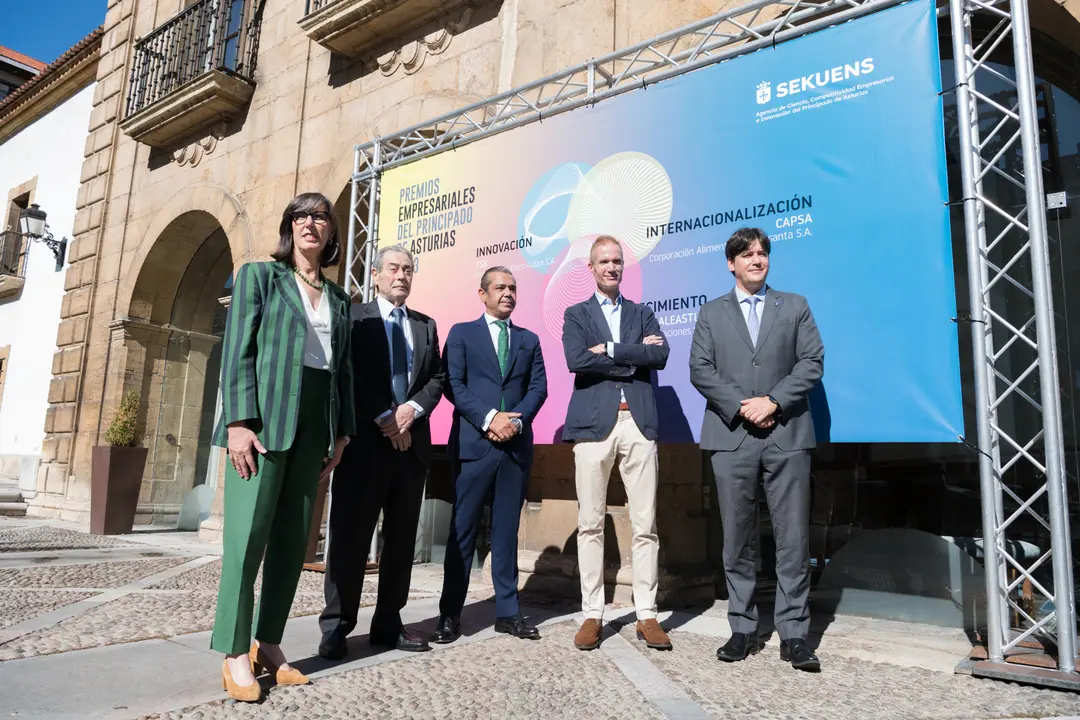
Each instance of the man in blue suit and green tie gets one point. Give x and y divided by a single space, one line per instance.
497 384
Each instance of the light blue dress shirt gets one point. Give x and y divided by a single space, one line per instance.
613 313
745 306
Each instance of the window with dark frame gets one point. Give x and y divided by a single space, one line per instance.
5 352
13 246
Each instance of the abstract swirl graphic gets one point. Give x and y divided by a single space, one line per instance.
545 210
623 195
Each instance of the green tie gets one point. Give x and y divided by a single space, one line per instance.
503 352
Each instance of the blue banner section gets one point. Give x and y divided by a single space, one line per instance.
832 143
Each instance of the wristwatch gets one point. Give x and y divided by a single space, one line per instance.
516 422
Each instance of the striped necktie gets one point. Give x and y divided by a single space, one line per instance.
752 322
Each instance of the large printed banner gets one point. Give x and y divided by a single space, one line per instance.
831 143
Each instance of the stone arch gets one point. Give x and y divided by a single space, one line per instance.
191 212
166 343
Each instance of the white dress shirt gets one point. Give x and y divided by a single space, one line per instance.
494 331
385 308
745 306
613 313
317 352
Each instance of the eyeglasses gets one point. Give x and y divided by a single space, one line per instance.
320 217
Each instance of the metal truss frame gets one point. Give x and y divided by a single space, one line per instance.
756 25
994 261
764 23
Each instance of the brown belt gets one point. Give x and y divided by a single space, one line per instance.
623 406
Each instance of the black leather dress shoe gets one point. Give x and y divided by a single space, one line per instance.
404 640
517 627
333 646
446 631
739 647
799 654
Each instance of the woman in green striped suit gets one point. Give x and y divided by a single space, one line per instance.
287 390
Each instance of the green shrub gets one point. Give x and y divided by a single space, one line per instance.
124 429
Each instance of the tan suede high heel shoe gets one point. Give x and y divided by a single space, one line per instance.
260 662
241 693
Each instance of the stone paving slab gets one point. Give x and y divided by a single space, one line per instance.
109 683
45 538
94 575
19 605
764 687
498 678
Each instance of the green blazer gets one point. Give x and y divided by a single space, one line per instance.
262 358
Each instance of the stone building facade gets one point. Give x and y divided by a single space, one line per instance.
188 168
42 130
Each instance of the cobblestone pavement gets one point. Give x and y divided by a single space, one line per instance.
19 605
765 687
498 678
43 538
205 580
184 603
139 616
88 575
488 677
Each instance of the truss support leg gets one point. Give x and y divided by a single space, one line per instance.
1050 391
975 240
373 220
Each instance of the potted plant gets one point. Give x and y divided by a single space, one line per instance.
117 471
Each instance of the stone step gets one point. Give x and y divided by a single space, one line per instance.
13 509
10 493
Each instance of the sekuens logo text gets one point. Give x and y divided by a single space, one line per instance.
837 74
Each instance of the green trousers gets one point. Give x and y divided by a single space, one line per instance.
270 513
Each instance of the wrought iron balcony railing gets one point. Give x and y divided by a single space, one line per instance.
313 5
208 35
13 247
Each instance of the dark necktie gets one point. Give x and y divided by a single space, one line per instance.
503 352
399 368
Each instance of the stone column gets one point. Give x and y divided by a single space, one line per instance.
138 350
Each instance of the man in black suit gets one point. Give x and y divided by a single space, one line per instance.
497 383
756 356
399 381
612 345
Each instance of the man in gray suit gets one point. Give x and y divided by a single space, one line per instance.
756 355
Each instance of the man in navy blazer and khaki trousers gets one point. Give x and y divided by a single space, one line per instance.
612 345
497 384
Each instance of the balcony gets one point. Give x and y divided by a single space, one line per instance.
193 72
354 28
13 254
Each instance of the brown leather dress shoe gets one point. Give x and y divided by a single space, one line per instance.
653 635
588 637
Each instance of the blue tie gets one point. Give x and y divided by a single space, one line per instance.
752 320
399 369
